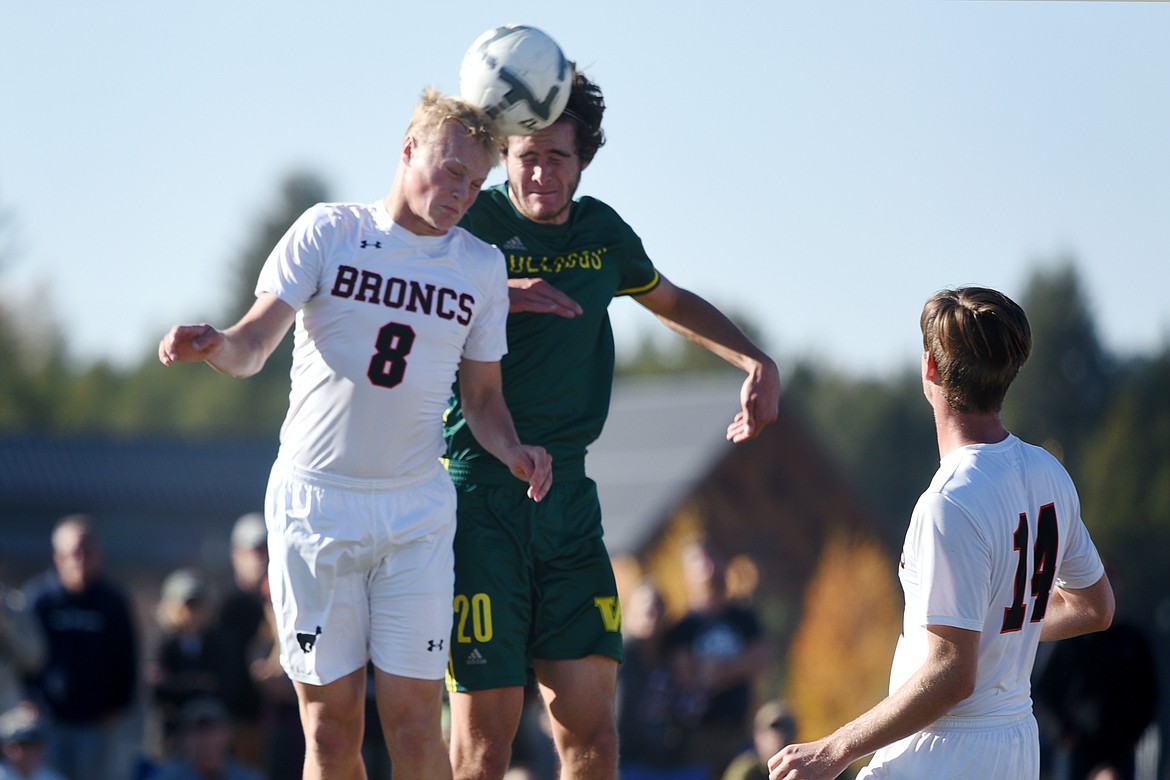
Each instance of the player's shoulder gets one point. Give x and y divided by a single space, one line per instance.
333 216
491 200
589 207
473 248
478 259
342 212
596 216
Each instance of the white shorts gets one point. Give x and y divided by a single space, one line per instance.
962 749
361 572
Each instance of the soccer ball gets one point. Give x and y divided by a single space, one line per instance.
519 76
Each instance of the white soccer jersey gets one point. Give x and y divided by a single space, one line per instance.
998 529
383 318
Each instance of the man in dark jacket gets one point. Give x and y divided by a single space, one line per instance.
87 684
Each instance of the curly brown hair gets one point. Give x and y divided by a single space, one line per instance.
585 108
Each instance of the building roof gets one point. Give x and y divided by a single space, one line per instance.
157 500
663 434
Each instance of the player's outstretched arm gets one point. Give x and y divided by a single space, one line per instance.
482 396
239 351
701 323
540 297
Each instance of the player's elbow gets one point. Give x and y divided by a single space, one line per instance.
1102 606
1102 616
960 684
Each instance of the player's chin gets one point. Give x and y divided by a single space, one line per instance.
545 209
446 217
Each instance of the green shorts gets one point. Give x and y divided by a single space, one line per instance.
531 581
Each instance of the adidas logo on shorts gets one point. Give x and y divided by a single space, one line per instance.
474 658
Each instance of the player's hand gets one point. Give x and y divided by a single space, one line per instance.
534 466
540 297
189 344
807 761
759 400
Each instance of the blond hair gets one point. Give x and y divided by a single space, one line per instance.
434 109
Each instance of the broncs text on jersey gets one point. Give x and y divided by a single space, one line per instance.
396 293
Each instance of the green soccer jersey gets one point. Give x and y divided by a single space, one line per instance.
558 372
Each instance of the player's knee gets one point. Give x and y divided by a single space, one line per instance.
604 743
480 758
595 745
332 742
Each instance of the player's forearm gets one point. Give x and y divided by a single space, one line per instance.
923 699
239 355
702 324
490 422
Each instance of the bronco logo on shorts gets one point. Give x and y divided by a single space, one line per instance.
306 641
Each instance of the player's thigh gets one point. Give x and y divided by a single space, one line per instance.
483 719
577 613
411 585
578 693
340 703
317 578
493 590
405 702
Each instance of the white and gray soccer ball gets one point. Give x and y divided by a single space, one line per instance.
519 76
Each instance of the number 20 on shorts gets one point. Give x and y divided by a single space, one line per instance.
479 609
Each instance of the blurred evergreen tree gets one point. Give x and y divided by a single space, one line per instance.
260 402
196 400
880 431
1124 484
1062 392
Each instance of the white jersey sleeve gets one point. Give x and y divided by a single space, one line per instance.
998 529
383 318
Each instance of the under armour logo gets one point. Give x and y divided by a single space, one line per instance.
434 644
374 244
307 641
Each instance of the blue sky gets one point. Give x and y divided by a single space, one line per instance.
821 167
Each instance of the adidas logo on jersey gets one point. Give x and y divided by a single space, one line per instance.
474 658
515 243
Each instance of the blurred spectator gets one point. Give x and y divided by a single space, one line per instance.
656 702
773 727
205 745
238 629
185 665
22 644
87 684
1094 698
726 643
22 740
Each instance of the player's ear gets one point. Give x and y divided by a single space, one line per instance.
929 368
409 147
